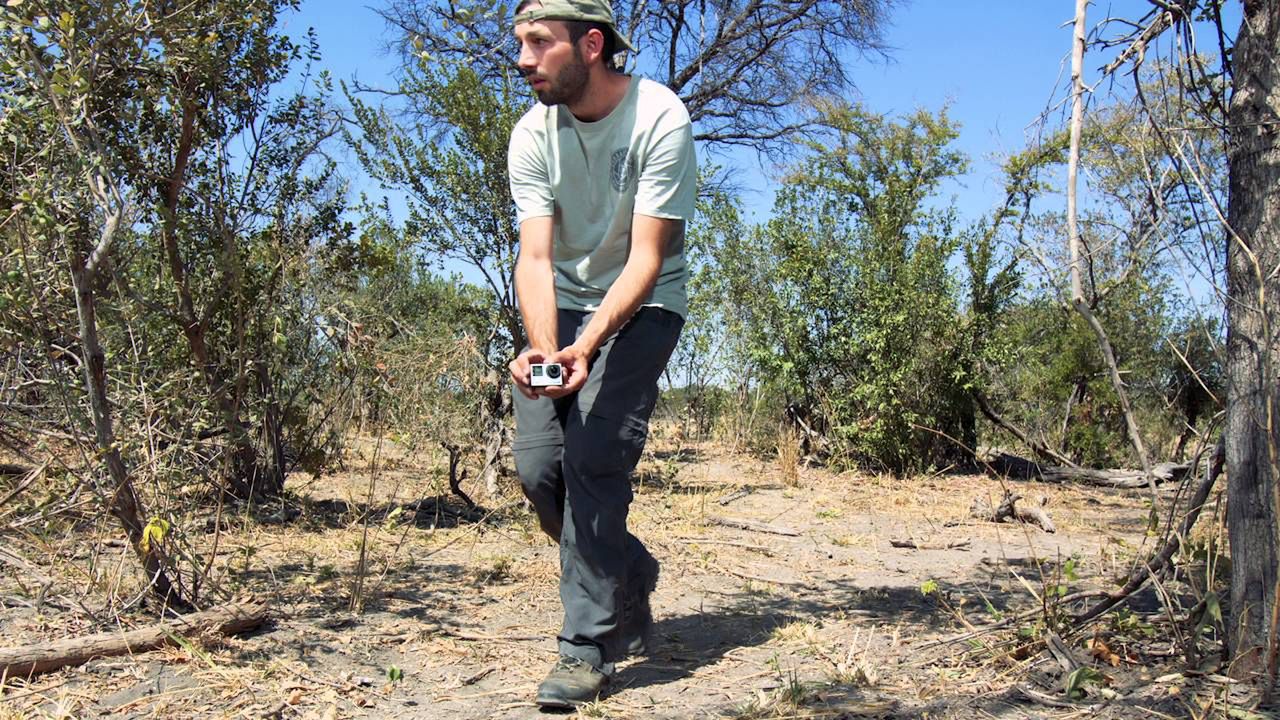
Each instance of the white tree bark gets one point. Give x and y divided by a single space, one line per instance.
1078 300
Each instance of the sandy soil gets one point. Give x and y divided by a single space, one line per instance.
830 620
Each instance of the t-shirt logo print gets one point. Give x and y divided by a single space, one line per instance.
622 168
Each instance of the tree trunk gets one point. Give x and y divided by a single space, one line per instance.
498 443
1253 307
122 500
244 479
274 466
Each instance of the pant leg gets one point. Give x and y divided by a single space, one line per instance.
604 435
538 447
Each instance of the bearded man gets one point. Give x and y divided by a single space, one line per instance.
603 176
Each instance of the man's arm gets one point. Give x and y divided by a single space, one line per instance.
649 239
536 292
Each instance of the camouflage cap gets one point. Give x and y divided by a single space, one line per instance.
600 11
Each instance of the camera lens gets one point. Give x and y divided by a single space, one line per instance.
553 371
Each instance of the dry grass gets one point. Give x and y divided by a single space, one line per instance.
468 611
788 449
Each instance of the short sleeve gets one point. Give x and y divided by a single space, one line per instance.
667 184
529 178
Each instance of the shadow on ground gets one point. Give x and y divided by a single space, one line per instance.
686 643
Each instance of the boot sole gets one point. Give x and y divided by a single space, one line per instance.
560 703
556 703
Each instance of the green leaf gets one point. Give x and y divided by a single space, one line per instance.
1212 614
1078 680
928 587
394 674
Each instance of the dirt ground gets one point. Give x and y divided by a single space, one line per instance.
827 620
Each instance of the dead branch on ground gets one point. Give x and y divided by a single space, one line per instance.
1019 467
1009 510
31 660
1160 560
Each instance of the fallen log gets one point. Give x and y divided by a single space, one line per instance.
1024 469
223 620
1008 509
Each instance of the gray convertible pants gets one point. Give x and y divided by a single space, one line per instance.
574 457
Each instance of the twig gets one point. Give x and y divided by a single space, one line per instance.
913 544
1160 559
1051 701
752 525
1013 430
1010 620
31 475
519 690
1139 46
731 543
758 578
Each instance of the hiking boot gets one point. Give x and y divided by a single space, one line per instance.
637 615
572 682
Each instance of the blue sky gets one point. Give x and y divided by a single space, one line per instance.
997 65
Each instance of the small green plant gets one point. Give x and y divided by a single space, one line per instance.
991 609
499 570
394 674
793 693
1210 615
392 520
1070 568
929 587
1128 628
1076 684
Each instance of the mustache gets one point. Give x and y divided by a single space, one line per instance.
530 74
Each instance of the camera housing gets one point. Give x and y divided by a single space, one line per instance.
546 375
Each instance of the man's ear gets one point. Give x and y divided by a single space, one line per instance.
593 45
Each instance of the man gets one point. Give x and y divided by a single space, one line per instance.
603 176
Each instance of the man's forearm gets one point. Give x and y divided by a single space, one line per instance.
624 297
536 292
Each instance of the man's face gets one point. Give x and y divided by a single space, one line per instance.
552 65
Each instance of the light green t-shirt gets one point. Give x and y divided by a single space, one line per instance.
591 177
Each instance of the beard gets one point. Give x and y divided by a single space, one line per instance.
568 85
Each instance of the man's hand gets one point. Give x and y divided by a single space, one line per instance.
520 371
574 362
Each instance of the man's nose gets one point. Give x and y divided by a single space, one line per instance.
527 61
